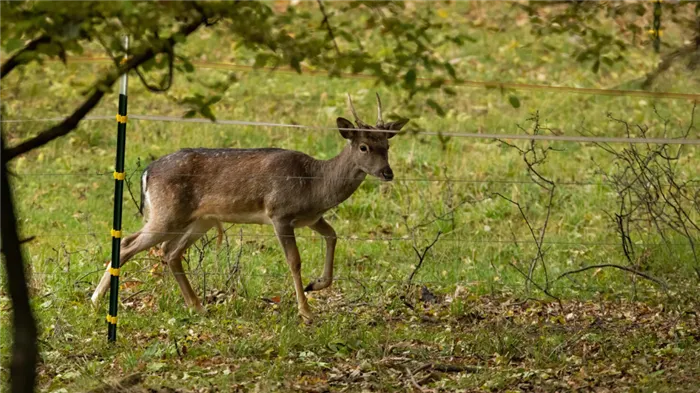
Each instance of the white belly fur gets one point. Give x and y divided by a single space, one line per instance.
243 218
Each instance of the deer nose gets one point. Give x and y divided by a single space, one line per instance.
388 173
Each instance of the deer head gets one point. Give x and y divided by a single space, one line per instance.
370 144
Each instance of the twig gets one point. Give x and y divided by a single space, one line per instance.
538 286
413 380
71 122
27 240
133 295
538 241
621 267
236 270
165 84
359 298
128 186
177 348
326 22
421 256
666 63
18 57
532 157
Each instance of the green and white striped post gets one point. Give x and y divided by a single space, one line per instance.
118 194
656 31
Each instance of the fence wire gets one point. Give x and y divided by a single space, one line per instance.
466 83
405 238
456 134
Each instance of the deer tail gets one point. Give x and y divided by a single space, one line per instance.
144 184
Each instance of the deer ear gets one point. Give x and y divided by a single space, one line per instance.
345 127
394 126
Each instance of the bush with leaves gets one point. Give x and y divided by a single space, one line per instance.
603 32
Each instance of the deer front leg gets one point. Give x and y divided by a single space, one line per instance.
326 230
285 235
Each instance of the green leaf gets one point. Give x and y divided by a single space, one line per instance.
296 64
451 70
436 107
410 78
596 66
261 60
514 101
207 112
449 91
188 66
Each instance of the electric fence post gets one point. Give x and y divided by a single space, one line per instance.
118 194
656 31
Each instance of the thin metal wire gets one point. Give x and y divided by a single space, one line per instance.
456 134
198 272
689 183
467 83
422 180
406 238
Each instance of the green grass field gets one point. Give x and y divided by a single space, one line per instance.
483 331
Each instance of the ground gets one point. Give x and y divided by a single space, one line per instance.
468 320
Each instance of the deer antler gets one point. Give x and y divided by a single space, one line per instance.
359 122
380 121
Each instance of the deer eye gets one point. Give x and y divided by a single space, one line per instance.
364 148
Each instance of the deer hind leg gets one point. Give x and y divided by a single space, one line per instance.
326 230
173 251
130 246
285 235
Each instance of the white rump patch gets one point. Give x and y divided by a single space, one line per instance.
147 198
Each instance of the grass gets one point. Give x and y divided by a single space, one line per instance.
615 332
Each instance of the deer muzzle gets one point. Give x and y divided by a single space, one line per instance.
386 174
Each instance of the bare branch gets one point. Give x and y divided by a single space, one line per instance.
421 256
413 380
538 286
666 63
621 267
15 60
25 240
326 21
128 188
167 81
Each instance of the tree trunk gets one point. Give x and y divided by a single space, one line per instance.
24 349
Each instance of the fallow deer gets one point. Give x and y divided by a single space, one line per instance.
188 192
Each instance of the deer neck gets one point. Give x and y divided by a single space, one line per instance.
339 178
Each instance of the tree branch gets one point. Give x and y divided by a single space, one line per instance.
24 337
621 267
14 61
327 22
71 122
666 63
25 240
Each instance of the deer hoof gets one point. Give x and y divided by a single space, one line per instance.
306 315
197 307
307 318
317 285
